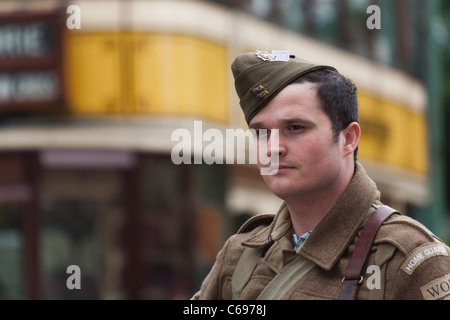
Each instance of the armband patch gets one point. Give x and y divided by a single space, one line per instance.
421 254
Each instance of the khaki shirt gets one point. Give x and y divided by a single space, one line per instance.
419 268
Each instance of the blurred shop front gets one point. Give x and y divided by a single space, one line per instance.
126 219
86 120
86 177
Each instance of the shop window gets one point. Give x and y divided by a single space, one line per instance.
166 234
183 219
212 223
12 273
81 216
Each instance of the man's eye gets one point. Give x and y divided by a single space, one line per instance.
262 132
296 127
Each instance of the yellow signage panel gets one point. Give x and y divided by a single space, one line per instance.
147 74
392 134
93 69
180 75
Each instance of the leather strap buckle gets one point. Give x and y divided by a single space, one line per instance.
359 282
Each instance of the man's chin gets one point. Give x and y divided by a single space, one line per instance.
281 190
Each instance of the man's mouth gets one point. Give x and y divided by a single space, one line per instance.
276 169
283 169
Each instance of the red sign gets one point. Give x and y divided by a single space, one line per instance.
31 61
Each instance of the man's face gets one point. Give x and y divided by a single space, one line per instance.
309 158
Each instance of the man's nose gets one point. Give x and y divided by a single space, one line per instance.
275 144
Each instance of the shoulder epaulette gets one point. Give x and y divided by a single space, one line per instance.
263 219
405 233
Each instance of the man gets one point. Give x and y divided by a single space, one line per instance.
304 251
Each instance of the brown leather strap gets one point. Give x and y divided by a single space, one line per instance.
353 276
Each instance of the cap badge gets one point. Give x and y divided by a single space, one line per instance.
264 55
276 55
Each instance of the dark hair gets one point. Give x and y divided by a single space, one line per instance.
337 95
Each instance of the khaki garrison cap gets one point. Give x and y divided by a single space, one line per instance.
259 76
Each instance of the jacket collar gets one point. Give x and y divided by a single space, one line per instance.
329 239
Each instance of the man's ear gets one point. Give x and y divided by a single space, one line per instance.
351 136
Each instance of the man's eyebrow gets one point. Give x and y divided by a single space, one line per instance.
296 121
288 121
256 125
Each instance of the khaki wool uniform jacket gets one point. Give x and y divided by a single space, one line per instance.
418 269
